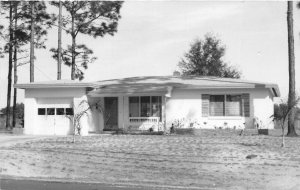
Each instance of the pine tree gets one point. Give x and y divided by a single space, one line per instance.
93 18
292 96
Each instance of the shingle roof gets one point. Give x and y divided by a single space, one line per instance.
188 82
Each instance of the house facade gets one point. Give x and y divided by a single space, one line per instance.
141 103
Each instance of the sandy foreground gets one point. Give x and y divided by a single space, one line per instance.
209 160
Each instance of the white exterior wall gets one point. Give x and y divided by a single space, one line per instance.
49 98
95 120
182 105
186 105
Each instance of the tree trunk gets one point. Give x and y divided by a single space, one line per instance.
291 128
32 42
282 137
10 52
15 69
59 43
73 50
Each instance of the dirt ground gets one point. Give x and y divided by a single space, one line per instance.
212 159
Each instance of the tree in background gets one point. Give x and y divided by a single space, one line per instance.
9 6
93 18
18 36
291 99
19 112
36 21
205 59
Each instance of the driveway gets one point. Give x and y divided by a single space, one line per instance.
10 139
12 184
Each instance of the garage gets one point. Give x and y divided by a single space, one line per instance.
52 116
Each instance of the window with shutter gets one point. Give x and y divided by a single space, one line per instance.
205 105
216 105
225 105
246 105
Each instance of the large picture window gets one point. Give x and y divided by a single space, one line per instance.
225 105
145 106
134 106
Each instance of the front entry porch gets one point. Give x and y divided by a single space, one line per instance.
129 113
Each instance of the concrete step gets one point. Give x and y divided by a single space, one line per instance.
6 131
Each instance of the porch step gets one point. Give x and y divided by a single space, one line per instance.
108 132
5 131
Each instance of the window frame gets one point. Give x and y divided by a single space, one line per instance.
45 111
55 111
224 106
139 103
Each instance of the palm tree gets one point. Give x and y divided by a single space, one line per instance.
291 126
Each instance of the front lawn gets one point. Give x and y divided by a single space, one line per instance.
211 159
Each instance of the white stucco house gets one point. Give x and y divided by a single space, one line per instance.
144 102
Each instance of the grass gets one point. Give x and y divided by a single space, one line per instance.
209 159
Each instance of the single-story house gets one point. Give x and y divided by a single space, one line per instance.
141 103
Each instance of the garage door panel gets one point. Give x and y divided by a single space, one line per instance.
53 124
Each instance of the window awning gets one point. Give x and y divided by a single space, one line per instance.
115 90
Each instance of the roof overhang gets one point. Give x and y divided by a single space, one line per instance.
53 85
115 90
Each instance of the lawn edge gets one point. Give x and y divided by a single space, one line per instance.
72 180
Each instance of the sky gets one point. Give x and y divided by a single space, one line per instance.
153 36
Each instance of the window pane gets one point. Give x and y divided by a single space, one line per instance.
50 111
60 111
216 105
233 106
156 106
134 106
145 106
69 111
41 111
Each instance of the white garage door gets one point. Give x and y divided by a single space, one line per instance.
52 116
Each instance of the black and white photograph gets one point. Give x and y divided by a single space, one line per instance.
149 95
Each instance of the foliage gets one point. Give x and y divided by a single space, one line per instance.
19 112
281 114
79 111
93 18
82 53
43 21
205 59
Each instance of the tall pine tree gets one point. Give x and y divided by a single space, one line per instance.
93 18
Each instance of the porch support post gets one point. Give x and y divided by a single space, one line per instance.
167 95
164 112
123 114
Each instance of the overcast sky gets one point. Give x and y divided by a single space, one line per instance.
153 36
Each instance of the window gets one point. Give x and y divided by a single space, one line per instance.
69 111
134 107
156 106
60 111
50 111
145 106
41 111
233 106
216 105
225 105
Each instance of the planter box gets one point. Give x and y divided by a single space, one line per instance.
184 131
263 131
18 130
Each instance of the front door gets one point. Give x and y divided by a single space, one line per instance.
110 113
